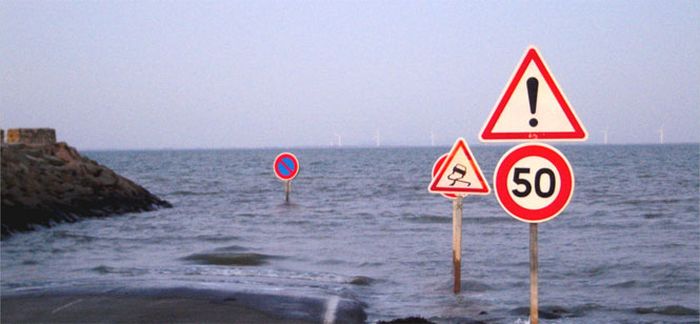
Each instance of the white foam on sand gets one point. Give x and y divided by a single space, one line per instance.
331 307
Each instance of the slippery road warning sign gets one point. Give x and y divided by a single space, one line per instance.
533 182
533 107
459 173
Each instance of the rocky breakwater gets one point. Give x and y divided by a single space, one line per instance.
51 183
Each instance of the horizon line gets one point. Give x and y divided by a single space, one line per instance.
368 146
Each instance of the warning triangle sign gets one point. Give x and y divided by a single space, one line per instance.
460 174
532 107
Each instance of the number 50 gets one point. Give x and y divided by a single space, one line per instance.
538 182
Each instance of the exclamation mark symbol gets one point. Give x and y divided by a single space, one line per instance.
532 84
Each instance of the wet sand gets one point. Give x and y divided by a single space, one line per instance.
174 305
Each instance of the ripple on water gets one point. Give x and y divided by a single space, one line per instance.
103 269
194 193
672 310
230 248
475 286
556 311
428 219
625 284
230 258
78 238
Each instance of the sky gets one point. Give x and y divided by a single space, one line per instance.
229 74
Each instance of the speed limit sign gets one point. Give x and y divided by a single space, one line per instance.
533 182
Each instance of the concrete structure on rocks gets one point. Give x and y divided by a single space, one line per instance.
31 136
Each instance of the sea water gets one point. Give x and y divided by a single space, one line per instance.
362 225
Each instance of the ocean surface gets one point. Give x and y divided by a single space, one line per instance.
362 225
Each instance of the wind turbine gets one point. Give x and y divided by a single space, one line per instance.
661 134
377 138
340 139
605 136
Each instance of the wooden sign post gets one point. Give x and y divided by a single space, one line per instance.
533 183
287 190
455 175
534 308
457 243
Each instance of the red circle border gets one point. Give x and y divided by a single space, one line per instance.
436 168
548 212
279 158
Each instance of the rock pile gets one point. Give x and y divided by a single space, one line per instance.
45 184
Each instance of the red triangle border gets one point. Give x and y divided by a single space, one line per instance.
460 144
487 134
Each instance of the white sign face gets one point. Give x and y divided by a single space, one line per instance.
533 107
545 114
542 176
459 174
533 182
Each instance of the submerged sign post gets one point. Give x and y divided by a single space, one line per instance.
286 167
456 175
533 182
